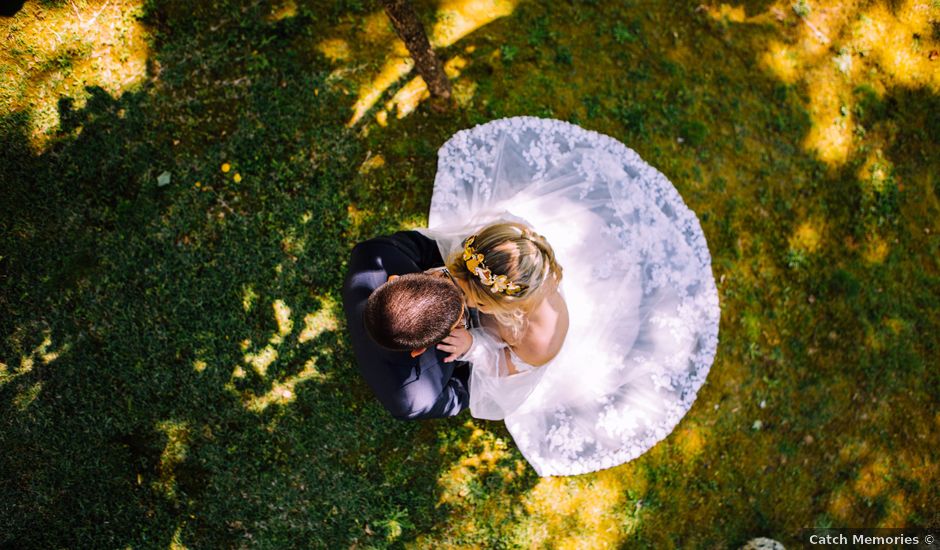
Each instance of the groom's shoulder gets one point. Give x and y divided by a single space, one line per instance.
399 239
408 243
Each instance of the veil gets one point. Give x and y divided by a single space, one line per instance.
642 301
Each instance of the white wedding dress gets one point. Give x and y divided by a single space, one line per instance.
637 281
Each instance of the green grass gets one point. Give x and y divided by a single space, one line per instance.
130 312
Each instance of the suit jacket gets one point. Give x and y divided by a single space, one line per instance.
409 387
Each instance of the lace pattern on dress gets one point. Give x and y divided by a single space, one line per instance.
635 369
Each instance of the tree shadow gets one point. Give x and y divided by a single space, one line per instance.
9 8
821 259
128 299
146 266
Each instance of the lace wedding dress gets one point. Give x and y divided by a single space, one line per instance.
637 281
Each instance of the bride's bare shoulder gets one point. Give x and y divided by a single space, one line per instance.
545 332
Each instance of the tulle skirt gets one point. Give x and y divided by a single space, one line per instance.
637 280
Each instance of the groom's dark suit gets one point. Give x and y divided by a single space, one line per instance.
410 388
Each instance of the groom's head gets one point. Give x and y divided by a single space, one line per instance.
412 312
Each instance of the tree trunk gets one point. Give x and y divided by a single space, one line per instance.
429 66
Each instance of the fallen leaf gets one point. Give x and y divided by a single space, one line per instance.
163 179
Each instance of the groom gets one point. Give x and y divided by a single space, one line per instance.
398 310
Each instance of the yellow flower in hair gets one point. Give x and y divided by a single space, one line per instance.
475 265
500 283
470 255
467 249
473 262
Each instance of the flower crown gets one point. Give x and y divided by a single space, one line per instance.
499 283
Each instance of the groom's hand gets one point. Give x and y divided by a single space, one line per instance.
456 343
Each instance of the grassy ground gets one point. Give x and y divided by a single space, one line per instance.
179 190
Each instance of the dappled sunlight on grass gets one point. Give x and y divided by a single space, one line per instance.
249 297
875 250
262 359
210 396
280 389
490 455
808 236
177 542
412 223
372 162
782 61
26 364
335 49
458 18
396 66
56 51
582 511
877 183
375 29
27 396
405 100
174 453
871 477
293 245
725 12
588 511
897 40
415 91
357 217
874 174
44 352
884 483
831 135
323 320
284 322
455 19
873 44
477 489
690 439
282 9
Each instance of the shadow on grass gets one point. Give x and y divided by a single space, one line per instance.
174 368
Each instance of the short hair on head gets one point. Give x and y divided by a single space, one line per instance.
412 312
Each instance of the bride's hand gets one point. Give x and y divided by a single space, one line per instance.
456 343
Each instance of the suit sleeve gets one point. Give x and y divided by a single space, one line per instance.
454 396
420 400
409 388
418 248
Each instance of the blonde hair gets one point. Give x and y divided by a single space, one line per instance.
525 257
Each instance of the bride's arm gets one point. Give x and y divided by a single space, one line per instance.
494 391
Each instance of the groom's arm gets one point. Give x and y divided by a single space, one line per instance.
409 388
416 247
428 398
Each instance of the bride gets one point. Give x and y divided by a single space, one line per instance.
591 369
509 274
